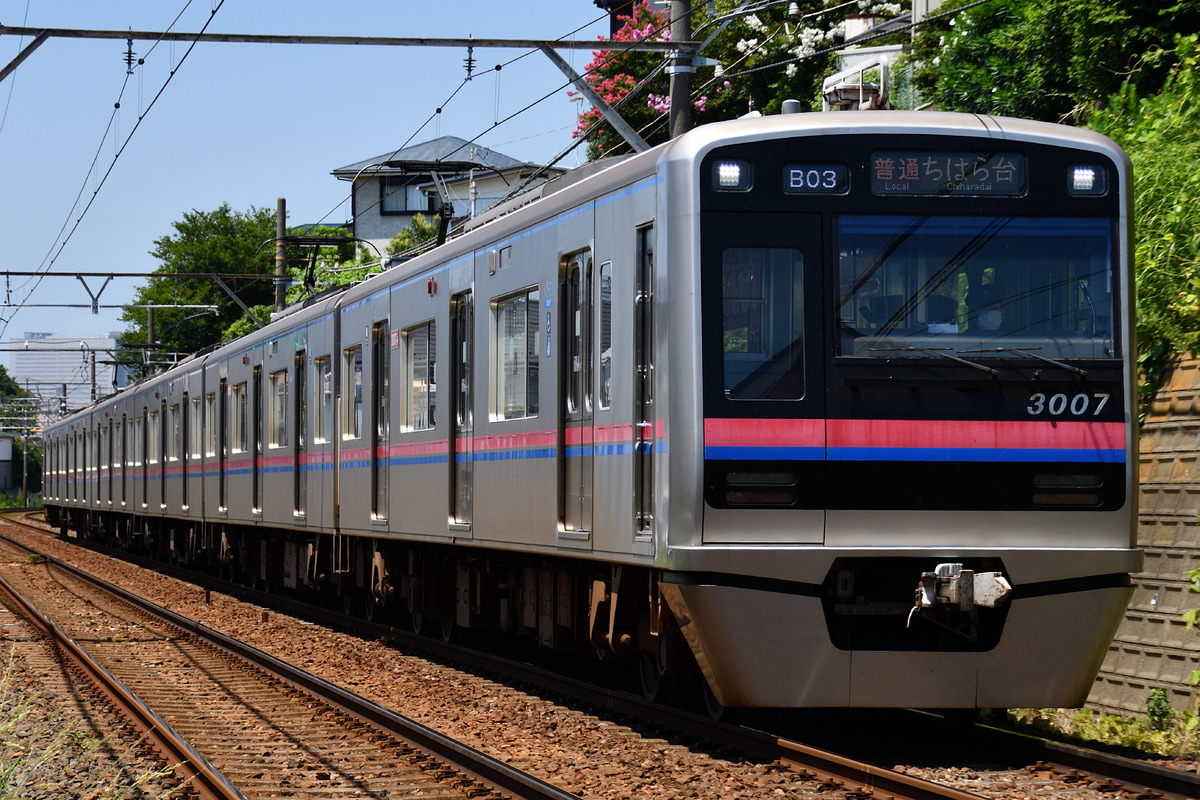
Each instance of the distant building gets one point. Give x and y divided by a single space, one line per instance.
389 189
43 363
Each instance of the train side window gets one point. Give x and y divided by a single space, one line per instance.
352 379
604 390
175 435
210 425
420 377
155 431
515 359
238 419
323 395
277 410
196 430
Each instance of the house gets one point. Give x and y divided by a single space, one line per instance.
389 189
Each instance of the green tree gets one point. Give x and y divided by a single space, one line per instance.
419 231
1159 133
1053 60
222 241
9 386
32 457
766 57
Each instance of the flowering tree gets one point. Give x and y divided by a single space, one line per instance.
766 58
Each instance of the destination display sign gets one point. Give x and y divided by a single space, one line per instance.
928 173
816 178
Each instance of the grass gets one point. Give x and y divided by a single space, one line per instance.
1163 731
37 748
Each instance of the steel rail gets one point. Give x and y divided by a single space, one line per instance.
203 778
473 763
825 767
822 764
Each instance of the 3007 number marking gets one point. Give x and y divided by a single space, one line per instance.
1057 405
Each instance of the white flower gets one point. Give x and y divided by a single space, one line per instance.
791 70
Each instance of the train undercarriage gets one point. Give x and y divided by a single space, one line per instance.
598 610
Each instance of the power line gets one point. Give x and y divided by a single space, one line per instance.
12 85
5 321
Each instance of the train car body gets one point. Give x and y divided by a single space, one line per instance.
831 409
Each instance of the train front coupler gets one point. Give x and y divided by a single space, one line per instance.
950 597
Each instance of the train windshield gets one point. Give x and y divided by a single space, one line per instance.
1003 287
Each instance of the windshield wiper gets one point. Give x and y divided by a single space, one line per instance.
1025 351
937 352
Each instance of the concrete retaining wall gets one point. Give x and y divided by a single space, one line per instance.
1153 648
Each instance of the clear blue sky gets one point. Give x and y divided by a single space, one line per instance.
240 124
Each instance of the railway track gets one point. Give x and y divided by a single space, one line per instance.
1047 768
237 723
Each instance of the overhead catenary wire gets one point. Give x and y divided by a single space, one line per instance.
212 15
96 158
375 169
12 84
497 121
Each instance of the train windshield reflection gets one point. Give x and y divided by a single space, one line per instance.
989 285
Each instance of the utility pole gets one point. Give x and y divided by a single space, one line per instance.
681 69
93 376
280 254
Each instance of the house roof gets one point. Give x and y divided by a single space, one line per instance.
425 156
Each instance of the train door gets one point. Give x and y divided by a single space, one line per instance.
144 445
110 461
222 444
462 344
380 422
256 447
300 422
643 388
183 445
575 447
163 433
126 463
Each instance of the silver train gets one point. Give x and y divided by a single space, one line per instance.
830 409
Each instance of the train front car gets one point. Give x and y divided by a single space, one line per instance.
916 417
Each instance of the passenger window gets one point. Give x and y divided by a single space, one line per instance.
196 429
238 419
352 379
605 388
210 425
277 409
155 438
175 435
323 389
515 360
420 402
